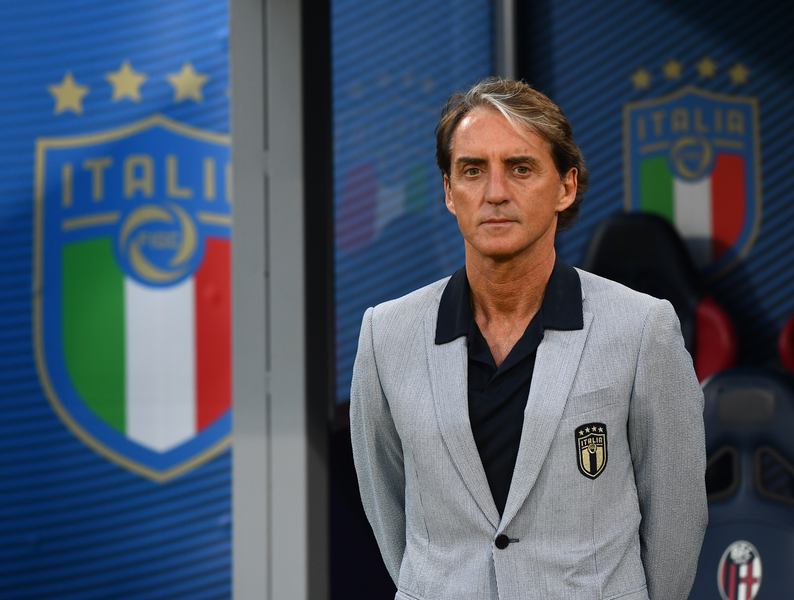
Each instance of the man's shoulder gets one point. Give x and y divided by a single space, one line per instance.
601 294
416 303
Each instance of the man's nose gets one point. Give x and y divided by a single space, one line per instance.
496 189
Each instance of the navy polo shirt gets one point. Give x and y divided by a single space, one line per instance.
498 396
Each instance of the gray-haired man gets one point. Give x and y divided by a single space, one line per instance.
524 429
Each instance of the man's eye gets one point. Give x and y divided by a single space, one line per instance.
521 170
472 171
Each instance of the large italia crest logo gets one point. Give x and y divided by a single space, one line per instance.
132 319
693 157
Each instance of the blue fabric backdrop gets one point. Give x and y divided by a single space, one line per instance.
73 524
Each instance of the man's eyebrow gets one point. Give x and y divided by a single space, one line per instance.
515 160
469 160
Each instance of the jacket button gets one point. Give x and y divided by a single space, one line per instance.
502 541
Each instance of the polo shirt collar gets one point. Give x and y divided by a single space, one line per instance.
561 307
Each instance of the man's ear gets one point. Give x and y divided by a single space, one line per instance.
568 186
448 195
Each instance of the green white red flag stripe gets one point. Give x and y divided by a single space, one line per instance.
692 216
152 362
160 369
708 212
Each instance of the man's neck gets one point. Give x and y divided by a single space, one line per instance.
506 295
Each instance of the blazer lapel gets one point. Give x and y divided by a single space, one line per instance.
556 364
450 388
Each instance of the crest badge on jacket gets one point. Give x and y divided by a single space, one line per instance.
591 449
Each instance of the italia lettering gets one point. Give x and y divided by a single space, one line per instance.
688 121
591 439
142 177
209 179
172 176
97 168
229 194
138 175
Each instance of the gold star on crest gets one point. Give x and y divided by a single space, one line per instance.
739 74
126 82
672 69
187 83
68 95
707 68
641 79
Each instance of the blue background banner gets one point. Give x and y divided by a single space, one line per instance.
593 58
394 64
73 524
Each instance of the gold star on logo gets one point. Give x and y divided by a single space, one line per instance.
601 430
581 432
587 429
739 73
707 68
672 69
126 82
187 83
68 95
641 79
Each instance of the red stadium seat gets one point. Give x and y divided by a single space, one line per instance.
716 341
786 345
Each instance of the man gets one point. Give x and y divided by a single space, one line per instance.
524 429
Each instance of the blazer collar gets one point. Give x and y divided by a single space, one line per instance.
556 364
448 370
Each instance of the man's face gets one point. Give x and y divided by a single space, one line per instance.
504 188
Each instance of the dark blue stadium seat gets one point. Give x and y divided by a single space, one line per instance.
749 544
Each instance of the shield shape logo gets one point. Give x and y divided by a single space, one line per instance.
591 449
693 157
739 572
132 320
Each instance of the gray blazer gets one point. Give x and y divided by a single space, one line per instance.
633 532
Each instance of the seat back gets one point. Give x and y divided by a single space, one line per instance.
644 252
749 542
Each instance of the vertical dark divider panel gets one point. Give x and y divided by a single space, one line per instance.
319 273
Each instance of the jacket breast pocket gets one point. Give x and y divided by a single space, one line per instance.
593 401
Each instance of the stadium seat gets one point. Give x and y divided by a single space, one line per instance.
749 542
645 253
786 345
